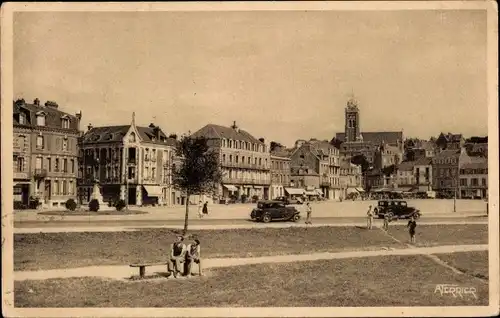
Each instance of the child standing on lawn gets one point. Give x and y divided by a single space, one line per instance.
370 218
387 219
412 224
309 212
200 207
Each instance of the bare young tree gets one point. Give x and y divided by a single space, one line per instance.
199 172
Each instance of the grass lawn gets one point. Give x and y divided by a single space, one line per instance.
65 250
449 234
370 281
472 263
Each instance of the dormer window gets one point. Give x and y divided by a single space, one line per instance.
22 119
131 138
40 119
65 122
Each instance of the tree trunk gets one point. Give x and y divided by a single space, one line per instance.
186 217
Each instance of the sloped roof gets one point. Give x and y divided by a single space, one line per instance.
424 161
52 115
447 153
406 166
475 164
212 131
106 134
390 137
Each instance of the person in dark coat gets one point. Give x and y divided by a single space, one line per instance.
412 224
205 208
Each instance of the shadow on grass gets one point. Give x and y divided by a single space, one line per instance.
89 213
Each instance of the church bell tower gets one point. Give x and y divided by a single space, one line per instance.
352 121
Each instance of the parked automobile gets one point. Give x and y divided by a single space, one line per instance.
267 211
396 208
287 200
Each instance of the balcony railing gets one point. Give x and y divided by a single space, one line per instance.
20 175
245 181
40 173
243 165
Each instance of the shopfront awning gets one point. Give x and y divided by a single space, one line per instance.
153 191
318 192
311 192
360 190
294 191
19 183
230 187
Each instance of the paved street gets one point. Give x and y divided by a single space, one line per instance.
346 209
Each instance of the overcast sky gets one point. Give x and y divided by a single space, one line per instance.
280 75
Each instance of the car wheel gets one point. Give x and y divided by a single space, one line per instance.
296 217
266 218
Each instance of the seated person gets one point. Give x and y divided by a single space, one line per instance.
193 255
177 256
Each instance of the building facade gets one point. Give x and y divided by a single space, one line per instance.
245 161
128 162
422 170
45 153
280 174
318 163
351 178
450 141
387 155
445 171
474 180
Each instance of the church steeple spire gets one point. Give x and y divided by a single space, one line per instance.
352 132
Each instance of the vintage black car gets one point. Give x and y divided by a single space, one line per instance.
267 211
288 200
396 208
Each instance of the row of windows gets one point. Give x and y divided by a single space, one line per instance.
248 175
56 164
473 171
247 160
40 120
245 145
445 161
473 182
280 178
280 165
62 144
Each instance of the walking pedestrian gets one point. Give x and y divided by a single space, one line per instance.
309 212
412 224
205 208
369 218
200 209
387 219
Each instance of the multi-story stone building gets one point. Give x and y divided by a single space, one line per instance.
319 161
354 142
445 171
474 179
386 155
477 146
45 153
129 162
422 170
280 173
450 141
351 178
405 178
245 161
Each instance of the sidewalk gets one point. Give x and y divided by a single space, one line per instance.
125 272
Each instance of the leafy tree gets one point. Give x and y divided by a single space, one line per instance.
336 143
361 160
199 172
389 170
273 145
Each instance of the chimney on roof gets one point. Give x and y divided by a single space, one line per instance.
51 104
90 127
36 102
78 119
234 125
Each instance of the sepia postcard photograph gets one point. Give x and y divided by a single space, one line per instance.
250 159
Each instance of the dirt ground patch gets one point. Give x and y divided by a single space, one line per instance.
65 250
370 281
472 263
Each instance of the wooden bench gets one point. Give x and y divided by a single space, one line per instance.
142 267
